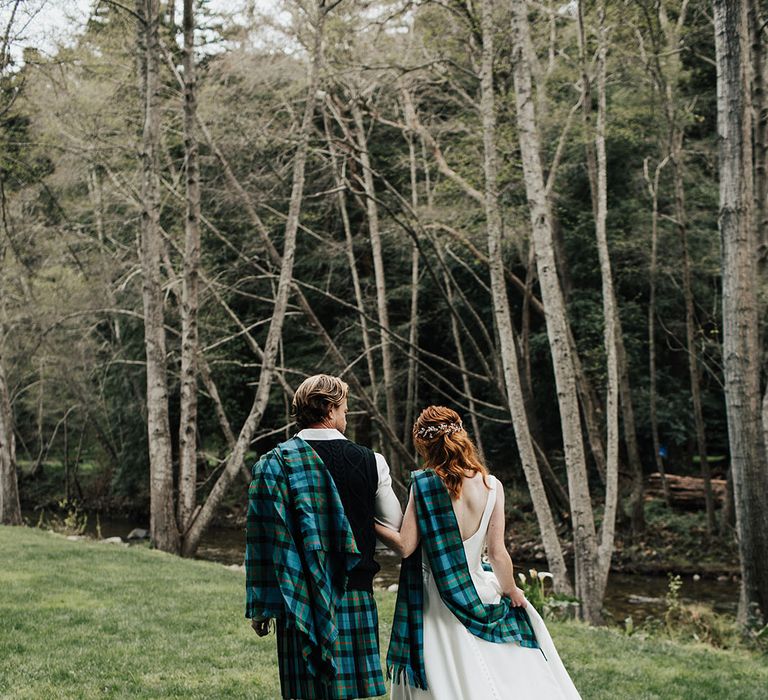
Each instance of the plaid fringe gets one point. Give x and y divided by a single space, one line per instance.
355 654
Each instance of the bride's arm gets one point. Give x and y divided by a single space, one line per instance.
405 541
497 551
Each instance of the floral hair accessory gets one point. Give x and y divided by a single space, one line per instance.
431 431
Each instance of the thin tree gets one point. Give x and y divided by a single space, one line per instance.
610 313
338 169
164 531
413 325
502 316
636 497
653 190
374 231
741 348
588 579
189 293
10 508
668 78
206 513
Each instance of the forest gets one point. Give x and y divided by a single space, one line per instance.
551 216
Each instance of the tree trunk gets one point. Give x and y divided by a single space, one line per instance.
636 497
503 317
741 351
690 326
164 531
760 107
586 107
189 290
653 188
464 378
349 246
588 587
65 459
589 408
607 529
10 508
667 73
636 501
206 512
372 211
413 327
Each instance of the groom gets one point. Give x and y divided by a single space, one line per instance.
310 548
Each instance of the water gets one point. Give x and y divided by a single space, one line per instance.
627 595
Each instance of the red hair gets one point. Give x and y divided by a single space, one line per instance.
441 440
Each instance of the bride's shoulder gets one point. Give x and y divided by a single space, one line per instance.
495 485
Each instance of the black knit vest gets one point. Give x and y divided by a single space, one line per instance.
353 468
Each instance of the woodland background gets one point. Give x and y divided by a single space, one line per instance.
520 210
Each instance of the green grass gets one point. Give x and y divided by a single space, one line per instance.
89 620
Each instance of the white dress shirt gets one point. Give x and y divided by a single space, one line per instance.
388 511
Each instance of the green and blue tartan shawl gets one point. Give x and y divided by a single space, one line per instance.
299 548
441 540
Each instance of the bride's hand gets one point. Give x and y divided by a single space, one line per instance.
517 598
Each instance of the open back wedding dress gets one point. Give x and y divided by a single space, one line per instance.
461 666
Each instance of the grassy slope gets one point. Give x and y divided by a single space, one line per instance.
88 620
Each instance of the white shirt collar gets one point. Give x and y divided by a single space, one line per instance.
320 434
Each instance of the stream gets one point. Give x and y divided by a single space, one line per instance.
627 595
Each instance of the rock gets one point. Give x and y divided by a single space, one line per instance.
236 567
138 533
113 540
393 588
75 538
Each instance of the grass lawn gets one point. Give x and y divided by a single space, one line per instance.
91 620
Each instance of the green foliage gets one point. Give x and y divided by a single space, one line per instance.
68 519
551 605
694 622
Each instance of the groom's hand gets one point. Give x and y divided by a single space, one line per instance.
261 627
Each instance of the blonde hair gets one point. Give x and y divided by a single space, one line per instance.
315 397
440 438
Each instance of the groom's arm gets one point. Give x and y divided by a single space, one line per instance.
388 511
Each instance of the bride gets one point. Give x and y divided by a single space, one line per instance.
461 632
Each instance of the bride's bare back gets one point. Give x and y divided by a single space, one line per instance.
469 507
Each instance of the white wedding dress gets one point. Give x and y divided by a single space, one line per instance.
461 666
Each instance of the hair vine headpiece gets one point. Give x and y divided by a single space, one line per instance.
430 431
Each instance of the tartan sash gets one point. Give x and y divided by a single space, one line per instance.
299 548
441 540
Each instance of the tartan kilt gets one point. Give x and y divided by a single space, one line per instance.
356 652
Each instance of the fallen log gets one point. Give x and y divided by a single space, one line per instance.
685 492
